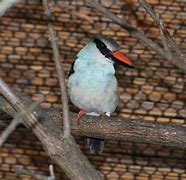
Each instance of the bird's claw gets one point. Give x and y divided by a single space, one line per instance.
79 115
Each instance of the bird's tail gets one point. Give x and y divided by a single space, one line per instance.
95 146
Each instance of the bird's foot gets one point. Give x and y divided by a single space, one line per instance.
106 114
79 115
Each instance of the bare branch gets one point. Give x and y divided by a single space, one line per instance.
135 32
167 37
19 107
60 71
64 151
117 128
16 121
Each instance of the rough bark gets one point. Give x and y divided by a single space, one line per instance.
65 152
168 134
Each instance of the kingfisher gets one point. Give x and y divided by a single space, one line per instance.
92 85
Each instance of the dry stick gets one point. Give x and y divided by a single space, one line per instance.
60 71
135 32
16 121
167 37
71 152
35 175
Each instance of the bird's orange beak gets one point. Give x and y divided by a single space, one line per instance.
118 56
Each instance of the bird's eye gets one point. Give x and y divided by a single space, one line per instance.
102 45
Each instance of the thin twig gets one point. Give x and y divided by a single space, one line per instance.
165 45
136 33
60 71
36 175
16 121
167 37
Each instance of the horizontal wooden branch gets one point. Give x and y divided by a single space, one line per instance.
168 134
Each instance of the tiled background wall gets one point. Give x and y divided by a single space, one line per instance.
153 91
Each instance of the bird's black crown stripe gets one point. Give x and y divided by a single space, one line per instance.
102 48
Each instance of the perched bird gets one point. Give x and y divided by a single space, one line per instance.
92 85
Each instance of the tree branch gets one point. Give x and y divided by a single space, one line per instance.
63 151
71 151
18 118
136 33
167 134
19 107
60 71
165 33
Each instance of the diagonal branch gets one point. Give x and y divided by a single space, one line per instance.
64 151
20 107
60 71
16 121
166 35
136 33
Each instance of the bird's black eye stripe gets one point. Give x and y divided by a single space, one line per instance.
102 48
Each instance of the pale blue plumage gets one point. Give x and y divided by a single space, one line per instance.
93 86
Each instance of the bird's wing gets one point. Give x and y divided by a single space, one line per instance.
71 69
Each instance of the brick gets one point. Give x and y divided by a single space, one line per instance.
52 98
6 50
51 82
10 160
34 35
169 96
7 65
5 167
7 33
18 151
37 96
28 57
37 81
147 105
31 152
170 112
21 50
45 105
27 26
2 58
21 35
43 57
155 96
24 160
34 67
35 50
22 67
